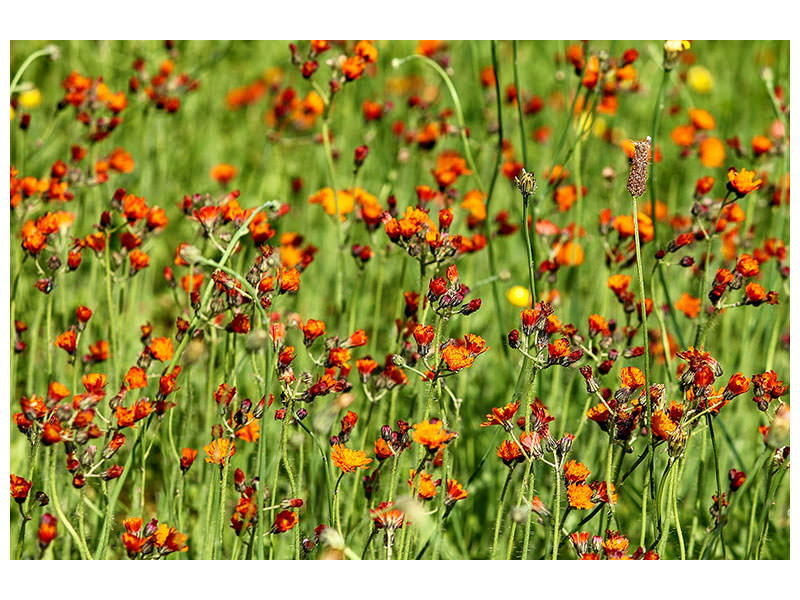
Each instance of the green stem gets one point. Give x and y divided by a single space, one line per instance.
85 554
499 516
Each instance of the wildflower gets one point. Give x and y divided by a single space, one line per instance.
386 516
432 434
662 425
701 119
736 478
19 488
579 496
218 450
168 539
575 472
688 305
455 492
631 377
223 173
712 152
187 458
47 530
349 460
284 521
742 182
699 79
510 453
161 348
67 341
502 416
426 488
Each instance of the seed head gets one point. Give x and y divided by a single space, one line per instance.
637 178
526 183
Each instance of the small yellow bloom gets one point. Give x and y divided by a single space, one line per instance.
12 113
519 296
600 127
699 79
30 98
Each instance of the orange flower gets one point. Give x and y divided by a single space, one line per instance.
187 458
683 135
168 539
432 434
367 51
761 145
619 283
575 472
385 516
509 452
579 496
67 341
457 357
502 416
712 152
353 67
251 431
701 119
47 530
743 182
570 254
218 450
161 348
426 488
662 424
284 521
689 305
631 377
349 460
223 173
19 488
455 492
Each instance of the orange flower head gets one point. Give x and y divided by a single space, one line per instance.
426 487
284 521
701 119
432 434
218 450
579 496
161 348
575 472
742 182
688 305
349 460
712 152
631 377
502 416
509 452
455 492
223 173
19 488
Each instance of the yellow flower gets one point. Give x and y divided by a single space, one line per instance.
519 296
699 79
30 98
12 113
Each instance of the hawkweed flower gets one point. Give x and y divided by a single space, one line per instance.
219 450
349 460
455 492
47 530
502 416
19 488
187 458
284 521
432 434
742 182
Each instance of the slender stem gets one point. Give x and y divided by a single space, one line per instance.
85 554
46 51
557 507
499 516
676 516
710 425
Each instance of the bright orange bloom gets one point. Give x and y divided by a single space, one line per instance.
187 458
688 305
579 496
136 377
683 135
432 434
312 330
701 119
662 424
218 450
349 460
455 492
385 516
426 487
161 348
712 152
223 173
19 488
168 539
619 283
457 357
631 377
251 431
47 530
367 51
747 266
570 254
284 521
501 416
67 341
575 472
353 67
761 145
509 452
743 182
